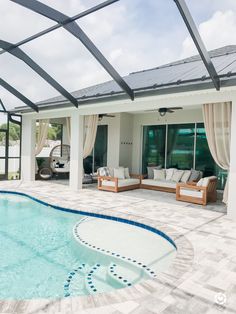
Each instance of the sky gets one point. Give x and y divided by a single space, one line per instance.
132 34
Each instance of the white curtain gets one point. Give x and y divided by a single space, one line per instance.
41 135
68 128
90 132
217 120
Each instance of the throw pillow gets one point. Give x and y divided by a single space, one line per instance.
159 174
186 176
150 171
104 172
169 173
177 175
195 174
127 176
119 173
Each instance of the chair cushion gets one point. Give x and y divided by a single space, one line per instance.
159 174
169 173
121 182
192 193
119 173
185 176
164 183
177 175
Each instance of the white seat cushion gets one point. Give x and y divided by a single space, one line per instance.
164 183
192 193
121 182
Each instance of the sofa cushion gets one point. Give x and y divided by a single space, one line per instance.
159 174
177 175
169 173
127 175
192 193
186 176
151 172
119 173
161 183
121 182
206 180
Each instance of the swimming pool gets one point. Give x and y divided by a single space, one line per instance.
50 253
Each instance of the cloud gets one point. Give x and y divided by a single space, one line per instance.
218 31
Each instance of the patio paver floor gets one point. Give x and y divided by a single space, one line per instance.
204 270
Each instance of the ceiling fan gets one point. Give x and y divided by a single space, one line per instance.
163 111
102 115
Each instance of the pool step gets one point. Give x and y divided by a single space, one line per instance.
90 282
118 277
74 284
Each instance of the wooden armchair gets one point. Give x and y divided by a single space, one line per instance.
198 194
112 184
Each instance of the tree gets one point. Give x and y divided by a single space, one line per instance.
14 132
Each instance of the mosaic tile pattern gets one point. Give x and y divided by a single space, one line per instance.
203 271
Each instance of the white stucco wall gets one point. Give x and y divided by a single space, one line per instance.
126 139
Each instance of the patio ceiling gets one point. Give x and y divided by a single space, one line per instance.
69 24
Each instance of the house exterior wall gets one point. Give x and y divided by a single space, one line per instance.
126 140
115 127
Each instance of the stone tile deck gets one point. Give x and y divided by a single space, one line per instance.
202 278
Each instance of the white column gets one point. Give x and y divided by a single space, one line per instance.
28 149
76 155
231 208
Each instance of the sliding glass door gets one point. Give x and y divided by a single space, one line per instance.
182 146
154 139
98 157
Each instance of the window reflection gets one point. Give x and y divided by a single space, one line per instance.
180 146
154 146
98 157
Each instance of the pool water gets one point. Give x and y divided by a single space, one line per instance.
40 258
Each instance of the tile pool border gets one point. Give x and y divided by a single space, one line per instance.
167 281
102 216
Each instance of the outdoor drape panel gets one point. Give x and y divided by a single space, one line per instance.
68 128
41 135
90 132
217 120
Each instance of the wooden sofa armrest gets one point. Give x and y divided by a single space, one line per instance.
192 183
136 176
191 187
107 178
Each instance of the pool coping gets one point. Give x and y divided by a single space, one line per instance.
166 281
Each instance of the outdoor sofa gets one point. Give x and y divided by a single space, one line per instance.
166 180
117 179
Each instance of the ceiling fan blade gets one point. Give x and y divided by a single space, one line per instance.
175 108
170 110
